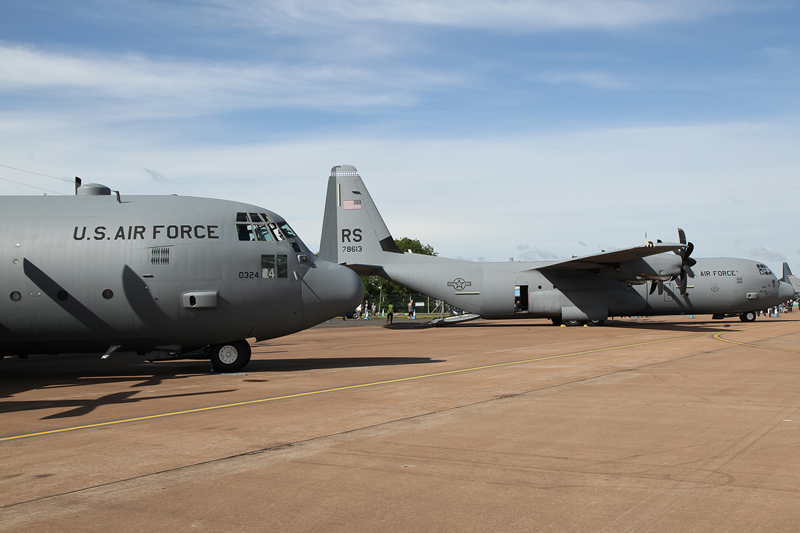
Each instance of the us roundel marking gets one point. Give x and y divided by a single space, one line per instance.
459 284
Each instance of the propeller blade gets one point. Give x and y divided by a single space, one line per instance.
653 286
660 288
681 236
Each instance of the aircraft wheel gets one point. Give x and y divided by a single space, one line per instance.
571 323
556 321
749 316
596 322
230 356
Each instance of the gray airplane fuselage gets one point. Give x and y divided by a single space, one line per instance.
144 273
720 286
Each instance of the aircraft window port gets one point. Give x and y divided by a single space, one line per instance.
62 294
287 230
15 296
267 266
241 217
283 266
262 233
245 233
296 247
265 218
275 231
108 294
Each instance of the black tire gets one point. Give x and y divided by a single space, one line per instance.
596 322
230 356
556 321
573 323
749 316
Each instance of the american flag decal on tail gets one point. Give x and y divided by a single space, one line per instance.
351 204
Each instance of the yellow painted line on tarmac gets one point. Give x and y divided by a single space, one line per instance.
337 389
718 336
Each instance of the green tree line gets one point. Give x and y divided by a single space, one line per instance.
374 286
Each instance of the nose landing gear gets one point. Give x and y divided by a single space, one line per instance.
230 356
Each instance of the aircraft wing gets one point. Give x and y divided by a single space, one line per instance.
613 258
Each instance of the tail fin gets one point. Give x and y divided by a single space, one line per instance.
353 232
788 277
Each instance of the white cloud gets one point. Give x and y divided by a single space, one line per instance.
515 15
593 79
768 254
476 197
135 87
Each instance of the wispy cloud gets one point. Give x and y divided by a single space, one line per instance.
768 254
594 79
150 87
155 175
517 15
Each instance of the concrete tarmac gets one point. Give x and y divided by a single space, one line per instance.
657 424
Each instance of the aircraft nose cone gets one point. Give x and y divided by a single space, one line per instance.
329 290
785 291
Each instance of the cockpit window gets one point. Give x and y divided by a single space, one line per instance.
287 230
260 227
245 232
262 233
278 234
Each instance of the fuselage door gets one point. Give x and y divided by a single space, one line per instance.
521 299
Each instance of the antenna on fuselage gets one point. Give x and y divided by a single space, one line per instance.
77 184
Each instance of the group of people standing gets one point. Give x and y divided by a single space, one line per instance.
367 309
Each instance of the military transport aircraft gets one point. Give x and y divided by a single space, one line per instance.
656 279
170 276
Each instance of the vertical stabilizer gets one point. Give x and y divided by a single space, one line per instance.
353 232
790 278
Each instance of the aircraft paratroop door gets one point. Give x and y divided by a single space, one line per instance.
521 299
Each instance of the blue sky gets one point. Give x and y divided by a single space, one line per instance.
537 129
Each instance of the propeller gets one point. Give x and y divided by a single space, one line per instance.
657 285
687 262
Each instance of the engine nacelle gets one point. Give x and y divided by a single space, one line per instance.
661 267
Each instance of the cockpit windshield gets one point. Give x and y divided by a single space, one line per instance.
260 227
287 230
764 270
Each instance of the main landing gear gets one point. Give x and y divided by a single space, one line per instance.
573 323
230 356
749 316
